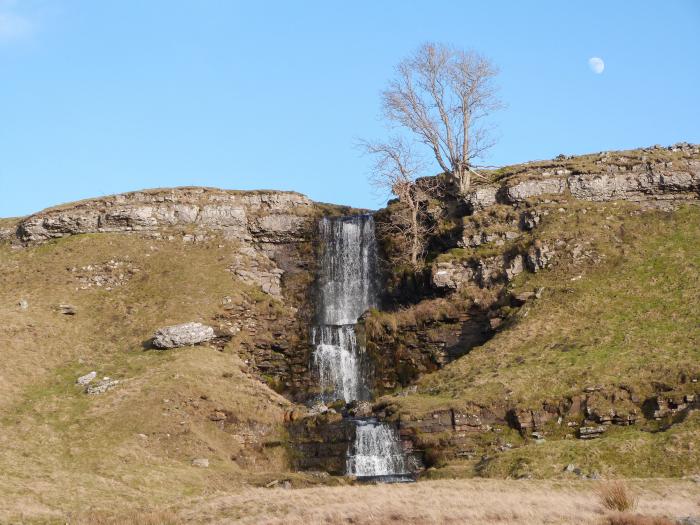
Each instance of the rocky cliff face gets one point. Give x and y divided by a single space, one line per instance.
258 216
651 174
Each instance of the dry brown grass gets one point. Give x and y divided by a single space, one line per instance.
478 501
132 517
636 519
453 501
615 495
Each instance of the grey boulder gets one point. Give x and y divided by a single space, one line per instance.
87 378
106 383
185 334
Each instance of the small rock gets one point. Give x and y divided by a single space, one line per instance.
318 408
23 304
200 462
102 386
573 469
66 309
538 256
217 415
361 409
523 297
87 378
591 432
689 520
185 334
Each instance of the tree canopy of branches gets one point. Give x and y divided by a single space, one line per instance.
395 169
440 98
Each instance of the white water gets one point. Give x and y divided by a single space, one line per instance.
377 451
337 362
347 289
348 269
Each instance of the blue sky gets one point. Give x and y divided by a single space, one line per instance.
104 97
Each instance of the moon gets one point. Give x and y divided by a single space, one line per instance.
596 64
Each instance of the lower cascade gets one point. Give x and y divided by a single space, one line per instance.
337 362
347 289
377 452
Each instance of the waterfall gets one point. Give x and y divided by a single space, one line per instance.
347 288
337 362
348 269
377 452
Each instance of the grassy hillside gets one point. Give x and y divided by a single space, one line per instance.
135 442
623 313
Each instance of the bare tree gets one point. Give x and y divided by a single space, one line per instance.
442 95
395 169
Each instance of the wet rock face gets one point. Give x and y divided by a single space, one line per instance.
185 334
402 354
321 442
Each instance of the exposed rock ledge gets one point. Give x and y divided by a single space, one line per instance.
679 180
262 216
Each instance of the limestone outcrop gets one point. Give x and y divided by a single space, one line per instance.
185 334
262 216
650 174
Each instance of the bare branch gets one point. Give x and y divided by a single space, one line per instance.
441 94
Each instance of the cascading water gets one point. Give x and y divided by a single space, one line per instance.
337 362
348 288
377 453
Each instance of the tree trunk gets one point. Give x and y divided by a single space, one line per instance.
415 241
464 180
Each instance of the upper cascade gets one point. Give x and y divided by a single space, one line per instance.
348 269
347 288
